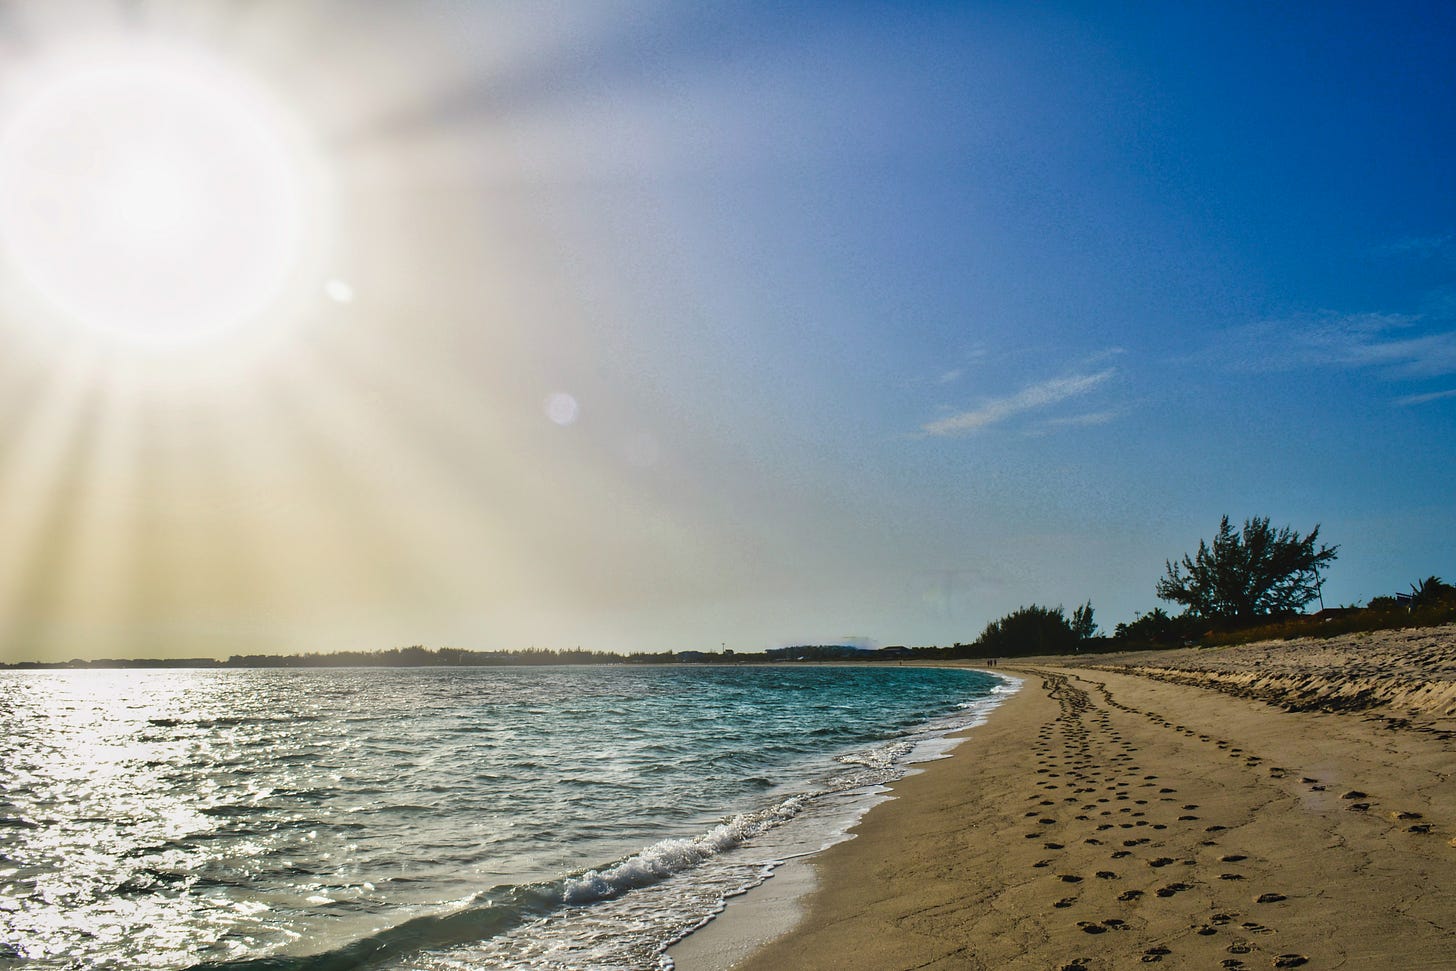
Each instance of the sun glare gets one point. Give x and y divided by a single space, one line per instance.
151 193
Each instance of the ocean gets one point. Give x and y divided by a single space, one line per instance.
459 818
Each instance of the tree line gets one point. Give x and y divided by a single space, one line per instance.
1252 582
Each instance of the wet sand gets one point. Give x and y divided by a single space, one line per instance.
1186 809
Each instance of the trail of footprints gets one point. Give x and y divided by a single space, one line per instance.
1112 805
1358 800
1126 816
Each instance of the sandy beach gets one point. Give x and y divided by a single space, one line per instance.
1272 805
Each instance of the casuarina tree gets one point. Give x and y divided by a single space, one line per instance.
1248 573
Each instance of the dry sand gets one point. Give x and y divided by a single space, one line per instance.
1186 809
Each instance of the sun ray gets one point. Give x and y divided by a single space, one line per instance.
371 471
42 489
158 562
295 533
94 597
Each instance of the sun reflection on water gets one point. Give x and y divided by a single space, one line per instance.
168 818
114 836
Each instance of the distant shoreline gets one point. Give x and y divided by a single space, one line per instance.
449 657
285 663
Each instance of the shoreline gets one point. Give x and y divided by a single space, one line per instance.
1104 817
769 910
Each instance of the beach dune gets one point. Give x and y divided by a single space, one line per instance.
1182 810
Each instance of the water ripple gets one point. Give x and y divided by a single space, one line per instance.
166 819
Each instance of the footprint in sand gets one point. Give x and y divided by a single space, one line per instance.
1173 888
1290 961
1269 898
1073 878
1232 858
1353 794
1065 902
1130 895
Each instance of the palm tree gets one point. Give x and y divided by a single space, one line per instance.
1431 590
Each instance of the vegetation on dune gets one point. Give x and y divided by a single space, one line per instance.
1246 585
1256 572
1432 592
1156 628
1331 623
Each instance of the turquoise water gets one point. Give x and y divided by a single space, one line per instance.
428 818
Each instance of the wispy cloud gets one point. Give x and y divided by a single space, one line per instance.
1090 419
1399 345
1031 398
1411 400
1087 420
950 377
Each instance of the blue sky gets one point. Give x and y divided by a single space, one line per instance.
874 319
1040 294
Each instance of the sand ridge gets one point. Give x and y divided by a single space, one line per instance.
1103 820
1404 676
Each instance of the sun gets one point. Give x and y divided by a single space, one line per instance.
151 193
